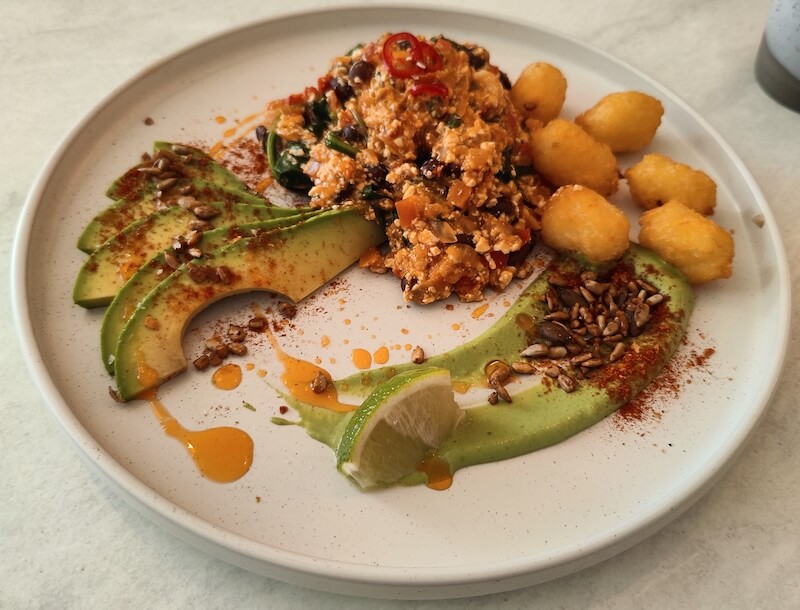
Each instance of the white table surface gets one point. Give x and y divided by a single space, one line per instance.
66 541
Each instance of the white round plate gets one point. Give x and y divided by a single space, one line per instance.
293 517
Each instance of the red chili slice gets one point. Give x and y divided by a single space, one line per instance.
435 89
431 59
403 62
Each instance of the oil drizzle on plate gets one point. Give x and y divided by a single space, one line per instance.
298 375
222 454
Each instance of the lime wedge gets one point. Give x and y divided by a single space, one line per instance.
397 425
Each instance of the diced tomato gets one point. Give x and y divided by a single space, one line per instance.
500 259
324 83
295 99
309 93
524 234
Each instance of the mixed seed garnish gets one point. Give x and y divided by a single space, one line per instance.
218 349
588 324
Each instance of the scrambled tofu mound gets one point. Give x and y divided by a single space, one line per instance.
422 135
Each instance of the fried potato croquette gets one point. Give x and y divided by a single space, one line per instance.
565 154
577 218
539 92
626 121
700 248
657 179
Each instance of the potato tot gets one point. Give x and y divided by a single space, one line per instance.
626 121
539 92
577 219
686 239
657 179
565 154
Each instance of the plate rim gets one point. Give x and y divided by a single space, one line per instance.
296 567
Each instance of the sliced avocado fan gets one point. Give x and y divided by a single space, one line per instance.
292 261
157 269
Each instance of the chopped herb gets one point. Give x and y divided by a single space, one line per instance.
354 49
286 165
247 405
280 421
373 193
453 121
317 116
335 142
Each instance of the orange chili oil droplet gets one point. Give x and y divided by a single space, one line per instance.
362 359
437 470
479 311
381 355
227 377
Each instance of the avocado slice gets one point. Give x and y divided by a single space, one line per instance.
123 212
159 183
154 271
188 162
108 267
292 261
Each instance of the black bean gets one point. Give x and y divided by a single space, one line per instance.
342 89
361 72
375 173
466 240
352 133
477 57
432 168
503 206
408 284
451 170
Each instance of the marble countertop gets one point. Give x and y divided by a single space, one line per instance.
68 541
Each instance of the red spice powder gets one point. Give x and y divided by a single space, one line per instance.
677 374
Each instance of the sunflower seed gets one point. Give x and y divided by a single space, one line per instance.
566 383
319 384
205 212
536 350
163 185
617 352
224 274
238 348
523 368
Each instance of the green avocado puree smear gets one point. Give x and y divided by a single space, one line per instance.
540 415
